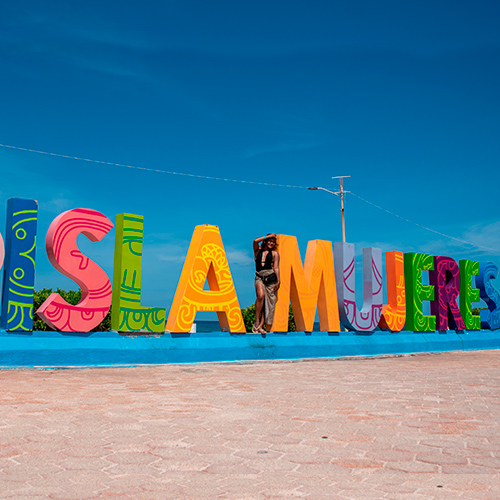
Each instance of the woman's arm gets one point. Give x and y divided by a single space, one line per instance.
256 245
276 268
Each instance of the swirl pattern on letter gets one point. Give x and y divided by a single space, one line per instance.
127 313
19 270
468 294
394 312
65 256
490 318
446 281
206 261
367 318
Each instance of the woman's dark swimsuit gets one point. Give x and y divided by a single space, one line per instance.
268 263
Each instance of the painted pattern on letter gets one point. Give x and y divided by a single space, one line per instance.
127 313
365 319
206 261
65 256
394 312
468 294
416 292
19 270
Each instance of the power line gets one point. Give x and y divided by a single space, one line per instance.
150 169
198 176
426 228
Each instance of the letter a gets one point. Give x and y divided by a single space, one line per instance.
206 261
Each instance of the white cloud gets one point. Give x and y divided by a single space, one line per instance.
487 237
238 257
168 252
482 241
477 241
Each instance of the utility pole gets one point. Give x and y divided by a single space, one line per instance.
340 194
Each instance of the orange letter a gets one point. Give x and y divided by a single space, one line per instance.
206 260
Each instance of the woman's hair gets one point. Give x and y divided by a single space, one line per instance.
271 236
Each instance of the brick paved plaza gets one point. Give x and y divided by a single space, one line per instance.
412 427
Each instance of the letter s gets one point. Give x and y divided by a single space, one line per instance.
65 256
490 318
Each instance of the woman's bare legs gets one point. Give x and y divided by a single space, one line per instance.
259 305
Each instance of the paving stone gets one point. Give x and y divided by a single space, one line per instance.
28 497
405 496
440 458
179 465
411 427
391 455
325 469
465 469
231 469
357 463
486 462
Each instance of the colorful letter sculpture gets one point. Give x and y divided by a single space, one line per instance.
65 256
445 278
416 292
206 261
366 319
127 314
394 312
306 287
489 318
468 295
19 270
2 251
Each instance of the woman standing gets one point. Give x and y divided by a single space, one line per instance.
267 280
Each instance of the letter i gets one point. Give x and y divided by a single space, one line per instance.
19 270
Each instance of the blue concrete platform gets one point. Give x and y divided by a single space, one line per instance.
56 349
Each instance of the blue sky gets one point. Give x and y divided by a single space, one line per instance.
402 96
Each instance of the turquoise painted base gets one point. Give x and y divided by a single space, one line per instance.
55 349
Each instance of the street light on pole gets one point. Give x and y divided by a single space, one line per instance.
340 194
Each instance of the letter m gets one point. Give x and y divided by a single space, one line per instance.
306 287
